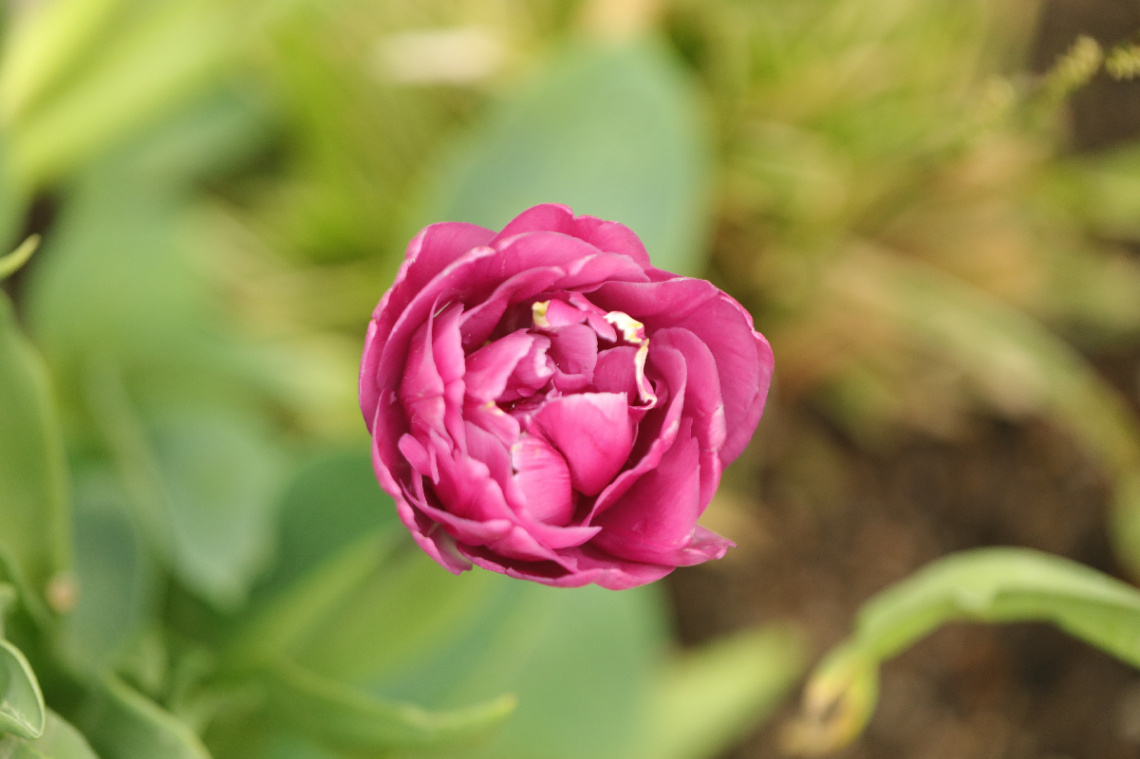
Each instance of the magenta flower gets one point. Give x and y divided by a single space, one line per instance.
546 404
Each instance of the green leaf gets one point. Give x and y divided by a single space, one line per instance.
121 723
22 710
219 473
115 281
59 741
615 132
47 41
581 661
709 698
34 520
396 614
987 585
161 56
11 263
336 528
332 501
277 627
355 721
114 572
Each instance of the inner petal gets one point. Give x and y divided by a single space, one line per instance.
593 431
574 351
544 479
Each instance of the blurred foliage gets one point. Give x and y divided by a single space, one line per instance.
984 585
199 559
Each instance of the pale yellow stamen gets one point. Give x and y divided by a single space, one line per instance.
631 329
538 314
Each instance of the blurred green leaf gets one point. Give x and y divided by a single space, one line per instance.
332 501
46 42
11 263
121 723
335 531
581 662
115 575
114 280
219 472
126 321
354 721
59 741
278 626
398 613
34 521
183 45
615 132
708 698
987 585
22 710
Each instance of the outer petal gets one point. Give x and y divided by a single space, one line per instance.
429 252
743 357
657 431
608 236
591 567
656 520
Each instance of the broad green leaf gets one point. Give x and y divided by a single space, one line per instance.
354 721
34 522
115 574
708 698
219 472
121 723
986 585
581 661
114 280
278 626
336 528
332 502
22 710
59 741
397 614
615 132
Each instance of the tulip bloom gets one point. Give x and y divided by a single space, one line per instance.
545 403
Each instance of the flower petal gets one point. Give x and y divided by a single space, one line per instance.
429 252
743 356
489 368
608 236
574 351
590 567
543 477
594 433
656 520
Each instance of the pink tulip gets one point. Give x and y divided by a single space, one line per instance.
545 403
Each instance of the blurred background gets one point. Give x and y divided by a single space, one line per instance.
932 210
